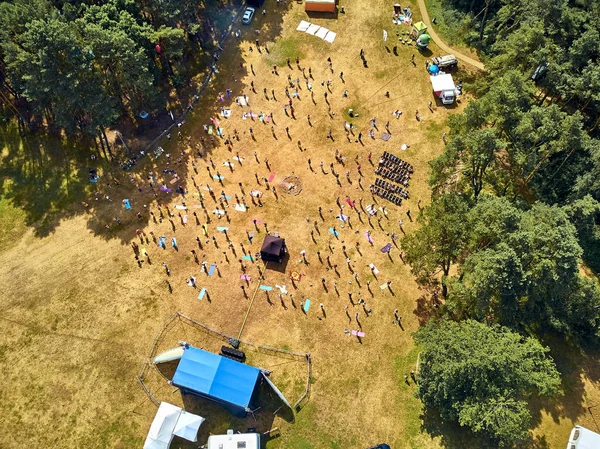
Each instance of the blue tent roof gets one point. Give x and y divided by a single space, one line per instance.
216 377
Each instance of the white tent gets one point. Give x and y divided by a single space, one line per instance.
161 430
171 420
187 426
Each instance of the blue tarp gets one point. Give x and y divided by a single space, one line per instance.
217 378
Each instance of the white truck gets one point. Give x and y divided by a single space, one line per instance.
444 88
582 438
448 61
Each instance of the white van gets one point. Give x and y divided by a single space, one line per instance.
582 438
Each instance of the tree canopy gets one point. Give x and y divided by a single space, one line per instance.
81 66
482 376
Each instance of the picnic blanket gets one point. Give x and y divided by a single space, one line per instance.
240 207
385 137
334 232
222 229
358 333
373 269
343 218
271 177
226 113
282 289
202 293
127 204
174 242
211 270
245 277
371 209
162 241
266 288
250 258
185 219
368 236
178 207
219 178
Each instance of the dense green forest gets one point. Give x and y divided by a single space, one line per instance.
513 230
80 66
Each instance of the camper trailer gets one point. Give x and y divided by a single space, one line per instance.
582 438
234 441
443 87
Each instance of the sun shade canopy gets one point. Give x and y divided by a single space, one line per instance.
217 378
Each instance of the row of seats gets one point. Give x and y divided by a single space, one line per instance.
385 194
391 187
400 178
396 160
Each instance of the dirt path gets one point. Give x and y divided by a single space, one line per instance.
441 43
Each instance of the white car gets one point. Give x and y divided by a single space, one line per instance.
248 15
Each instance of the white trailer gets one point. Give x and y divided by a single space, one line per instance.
443 87
582 438
234 441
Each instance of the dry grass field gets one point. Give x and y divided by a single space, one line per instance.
79 315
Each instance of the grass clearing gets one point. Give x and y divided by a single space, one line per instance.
79 315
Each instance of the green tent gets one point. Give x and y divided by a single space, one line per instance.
424 39
419 28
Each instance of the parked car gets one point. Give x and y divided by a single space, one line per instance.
248 15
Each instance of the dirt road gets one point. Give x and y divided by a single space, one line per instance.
441 43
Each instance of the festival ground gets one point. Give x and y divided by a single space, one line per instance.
80 313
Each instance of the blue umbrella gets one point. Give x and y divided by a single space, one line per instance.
434 69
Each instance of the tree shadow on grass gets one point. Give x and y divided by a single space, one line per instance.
453 436
575 364
45 175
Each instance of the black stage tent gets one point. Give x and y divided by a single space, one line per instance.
273 249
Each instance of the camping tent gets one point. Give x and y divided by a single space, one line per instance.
418 29
171 420
273 249
227 382
187 426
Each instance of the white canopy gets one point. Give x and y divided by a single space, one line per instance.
187 426
171 420
441 82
